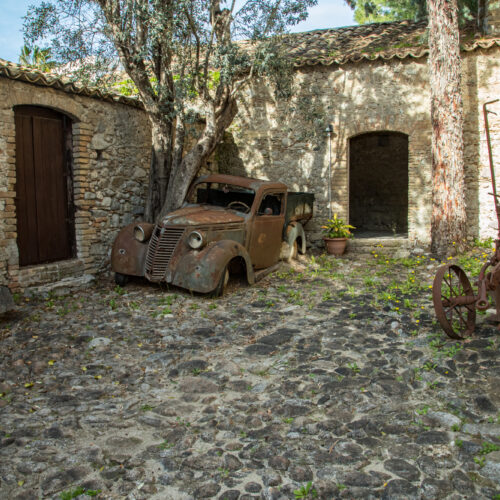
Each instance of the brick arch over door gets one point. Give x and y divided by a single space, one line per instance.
378 182
44 188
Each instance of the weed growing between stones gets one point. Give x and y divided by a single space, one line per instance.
306 491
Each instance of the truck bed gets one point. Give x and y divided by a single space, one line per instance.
299 207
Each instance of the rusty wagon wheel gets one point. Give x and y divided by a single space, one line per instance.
454 301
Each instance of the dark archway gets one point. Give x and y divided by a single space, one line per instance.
378 182
44 187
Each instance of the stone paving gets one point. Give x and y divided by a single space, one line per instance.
329 379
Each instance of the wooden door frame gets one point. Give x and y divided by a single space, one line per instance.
68 170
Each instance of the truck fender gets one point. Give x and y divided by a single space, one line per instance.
201 271
293 232
128 255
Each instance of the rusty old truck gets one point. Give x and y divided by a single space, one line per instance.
228 226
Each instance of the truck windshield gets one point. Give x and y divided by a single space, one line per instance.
221 195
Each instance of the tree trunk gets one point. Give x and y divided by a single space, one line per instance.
448 190
184 171
161 161
482 16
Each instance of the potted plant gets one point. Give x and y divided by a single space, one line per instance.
336 233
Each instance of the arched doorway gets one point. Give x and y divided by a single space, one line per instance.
378 182
44 187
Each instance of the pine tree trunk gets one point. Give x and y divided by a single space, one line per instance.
481 20
448 190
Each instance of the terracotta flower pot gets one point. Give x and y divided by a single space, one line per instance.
335 246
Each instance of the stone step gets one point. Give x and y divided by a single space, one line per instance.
61 287
386 245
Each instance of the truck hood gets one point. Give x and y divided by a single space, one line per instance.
195 215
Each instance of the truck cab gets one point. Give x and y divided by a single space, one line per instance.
227 224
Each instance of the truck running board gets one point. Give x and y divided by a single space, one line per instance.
262 273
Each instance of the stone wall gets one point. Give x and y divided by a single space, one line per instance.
285 141
483 85
270 138
111 154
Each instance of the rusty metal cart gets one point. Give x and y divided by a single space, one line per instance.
454 299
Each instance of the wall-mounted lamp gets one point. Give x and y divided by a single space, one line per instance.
329 133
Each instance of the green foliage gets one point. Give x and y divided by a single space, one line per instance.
35 57
423 410
354 367
336 228
376 11
487 243
181 58
488 448
70 494
185 48
306 491
126 87
165 445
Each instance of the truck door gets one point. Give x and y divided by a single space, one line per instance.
267 230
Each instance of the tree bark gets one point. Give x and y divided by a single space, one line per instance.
184 171
448 228
161 163
482 16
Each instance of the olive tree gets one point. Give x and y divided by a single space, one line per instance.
186 59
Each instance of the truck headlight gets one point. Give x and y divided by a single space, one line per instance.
142 232
196 240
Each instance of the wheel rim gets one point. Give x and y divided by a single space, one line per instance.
454 302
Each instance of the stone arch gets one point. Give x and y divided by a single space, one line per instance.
44 185
59 102
81 133
378 181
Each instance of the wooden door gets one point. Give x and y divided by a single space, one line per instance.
44 216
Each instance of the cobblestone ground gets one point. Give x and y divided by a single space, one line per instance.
329 379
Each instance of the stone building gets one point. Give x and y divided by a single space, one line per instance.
369 82
74 167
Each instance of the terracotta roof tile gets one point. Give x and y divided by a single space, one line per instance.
377 41
36 77
369 42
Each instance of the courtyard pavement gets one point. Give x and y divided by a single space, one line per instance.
328 379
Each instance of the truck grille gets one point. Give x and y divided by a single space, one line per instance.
162 245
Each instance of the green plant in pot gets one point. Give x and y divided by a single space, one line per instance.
335 235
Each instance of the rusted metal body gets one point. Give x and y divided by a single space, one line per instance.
227 225
454 299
